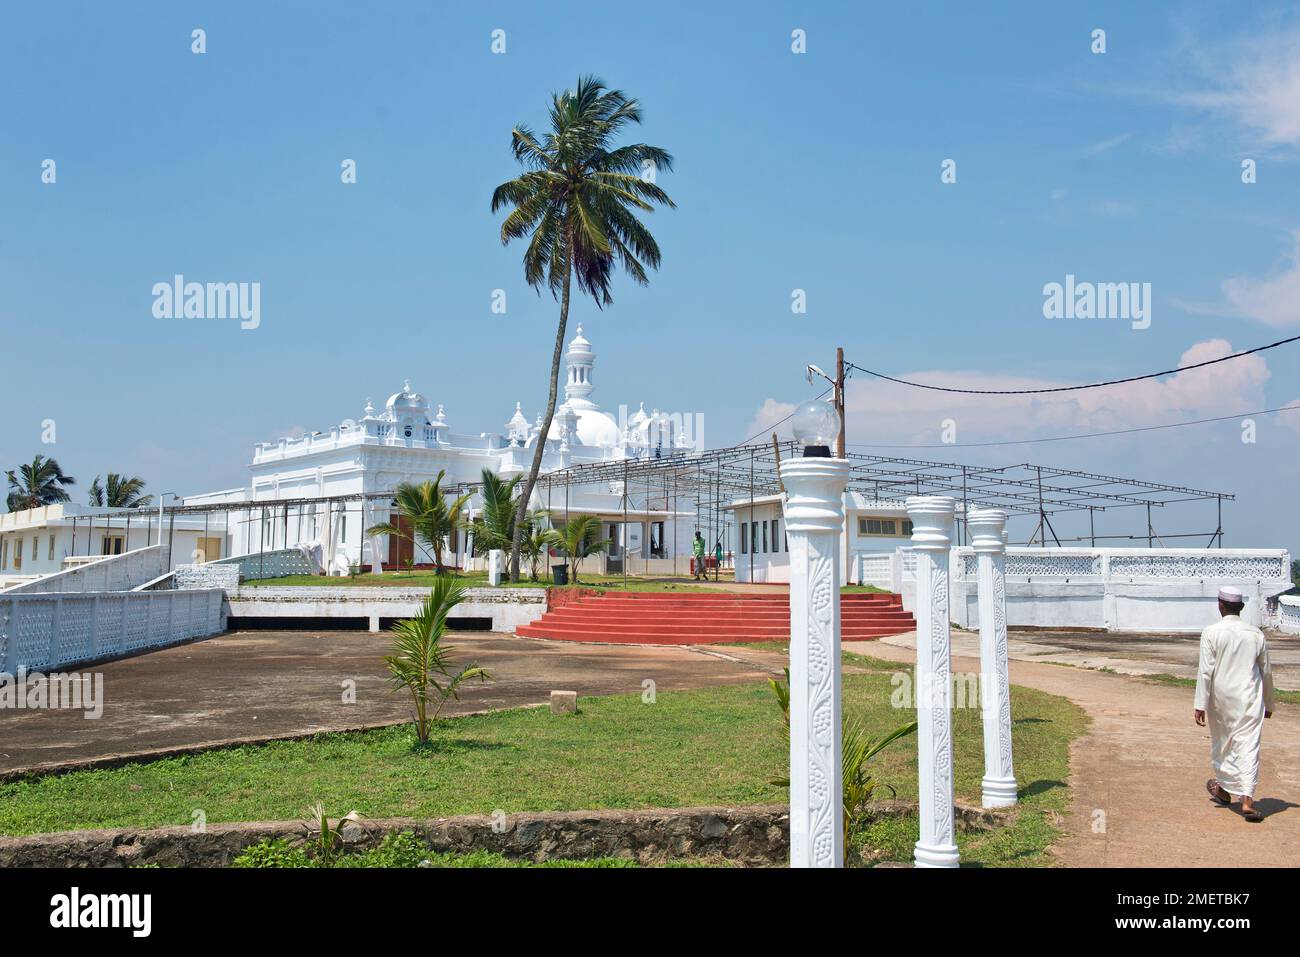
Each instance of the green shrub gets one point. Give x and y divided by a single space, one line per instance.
275 852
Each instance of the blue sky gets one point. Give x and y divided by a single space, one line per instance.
817 171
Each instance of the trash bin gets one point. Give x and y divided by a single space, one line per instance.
561 574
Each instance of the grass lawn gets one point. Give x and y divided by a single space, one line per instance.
1279 696
719 745
425 579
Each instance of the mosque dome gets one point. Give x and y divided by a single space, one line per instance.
579 345
408 405
594 428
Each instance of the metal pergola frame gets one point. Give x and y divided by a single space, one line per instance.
745 472
707 485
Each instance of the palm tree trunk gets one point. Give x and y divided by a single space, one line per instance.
539 449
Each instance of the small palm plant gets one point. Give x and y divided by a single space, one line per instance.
577 540
494 526
326 833
856 751
534 541
421 663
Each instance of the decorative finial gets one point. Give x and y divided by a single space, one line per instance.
406 386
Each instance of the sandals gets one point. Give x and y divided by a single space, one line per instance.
1224 799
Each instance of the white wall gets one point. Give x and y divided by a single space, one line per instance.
767 564
1119 589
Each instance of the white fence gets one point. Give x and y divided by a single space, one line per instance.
1117 589
53 630
875 568
271 564
508 608
1288 614
115 573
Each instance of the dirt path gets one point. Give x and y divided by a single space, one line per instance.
1137 776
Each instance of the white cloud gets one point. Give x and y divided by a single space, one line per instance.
1105 146
1290 420
1274 301
1254 83
769 413
905 415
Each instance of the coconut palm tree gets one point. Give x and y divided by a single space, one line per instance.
494 526
577 200
421 663
535 540
41 483
121 492
429 515
577 539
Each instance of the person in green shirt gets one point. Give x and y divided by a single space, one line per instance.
697 547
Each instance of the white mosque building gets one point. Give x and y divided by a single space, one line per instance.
297 481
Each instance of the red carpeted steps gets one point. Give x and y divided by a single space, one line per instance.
668 618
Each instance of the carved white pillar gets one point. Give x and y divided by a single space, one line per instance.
814 518
988 535
932 522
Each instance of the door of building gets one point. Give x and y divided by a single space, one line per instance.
400 547
209 549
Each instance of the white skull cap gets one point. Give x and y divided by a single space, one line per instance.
1231 595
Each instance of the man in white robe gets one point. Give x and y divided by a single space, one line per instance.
1234 689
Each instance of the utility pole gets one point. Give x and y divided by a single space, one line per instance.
841 449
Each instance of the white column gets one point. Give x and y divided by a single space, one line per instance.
932 517
988 535
814 517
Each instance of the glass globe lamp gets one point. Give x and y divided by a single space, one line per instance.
816 425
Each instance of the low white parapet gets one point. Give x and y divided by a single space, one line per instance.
1288 614
42 631
508 608
1117 589
113 573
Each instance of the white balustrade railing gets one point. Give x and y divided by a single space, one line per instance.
1288 614
113 573
1136 564
42 631
1122 589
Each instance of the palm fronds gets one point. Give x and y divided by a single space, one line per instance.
421 663
430 515
576 539
40 483
576 202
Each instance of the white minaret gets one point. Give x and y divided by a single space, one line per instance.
579 361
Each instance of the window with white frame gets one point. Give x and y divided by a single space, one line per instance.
888 527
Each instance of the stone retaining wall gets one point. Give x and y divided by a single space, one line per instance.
210 575
758 834
753 834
